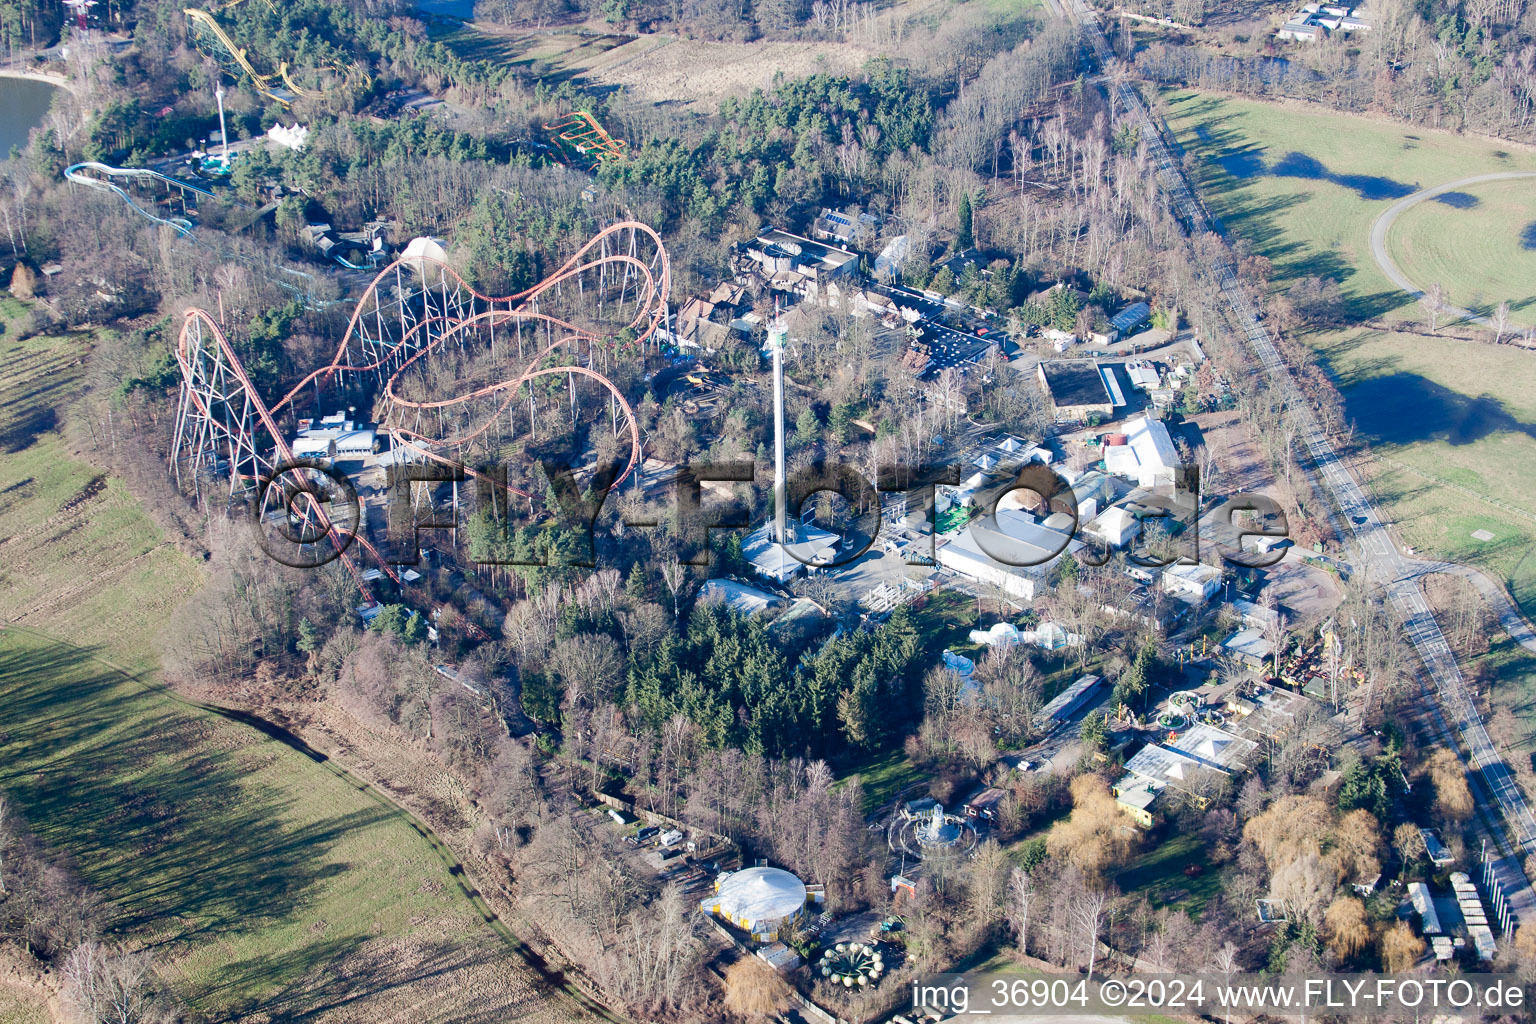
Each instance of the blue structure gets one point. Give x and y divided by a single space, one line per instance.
1130 318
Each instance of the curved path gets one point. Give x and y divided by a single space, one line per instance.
548 975
1493 592
1383 225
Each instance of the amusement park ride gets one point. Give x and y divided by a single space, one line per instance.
583 140
417 312
81 9
211 38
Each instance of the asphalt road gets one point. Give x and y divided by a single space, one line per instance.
1383 225
1492 783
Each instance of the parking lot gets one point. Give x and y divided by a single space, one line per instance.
950 333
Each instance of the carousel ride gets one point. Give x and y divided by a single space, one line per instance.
851 964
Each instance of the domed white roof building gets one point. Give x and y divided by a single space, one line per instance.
759 900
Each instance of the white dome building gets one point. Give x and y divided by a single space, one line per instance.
426 257
759 901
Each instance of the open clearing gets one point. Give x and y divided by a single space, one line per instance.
1479 242
271 886
696 73
1304 186
650 67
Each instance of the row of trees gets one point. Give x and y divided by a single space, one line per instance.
1457 64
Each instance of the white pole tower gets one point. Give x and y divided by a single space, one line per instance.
776 336
223 135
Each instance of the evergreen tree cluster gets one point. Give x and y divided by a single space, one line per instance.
727 675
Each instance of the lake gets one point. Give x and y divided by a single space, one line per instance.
452 8
23 102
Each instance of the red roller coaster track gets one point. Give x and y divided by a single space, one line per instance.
393 330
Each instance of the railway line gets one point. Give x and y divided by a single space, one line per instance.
1504 816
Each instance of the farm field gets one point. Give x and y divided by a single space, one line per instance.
1450 425
270 884
1479 242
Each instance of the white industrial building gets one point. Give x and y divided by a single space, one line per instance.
1147 455
760 901
768 559
1144 376
1193 584
332 437
1115 526
1314 21
1027 548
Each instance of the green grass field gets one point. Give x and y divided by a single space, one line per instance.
1453 424
1453 450
78 556
1159 875
269 884
1304 186
254 871
1450 425
884 777
1481 246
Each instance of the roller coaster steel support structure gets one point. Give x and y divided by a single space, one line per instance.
417 308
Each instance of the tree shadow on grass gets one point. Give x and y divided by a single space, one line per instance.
1458 200
1255 218
367 978
152 801
1404 408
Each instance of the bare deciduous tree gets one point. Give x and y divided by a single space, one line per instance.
1433 302
675 575
108 985
1500 320
1021 898
1088 915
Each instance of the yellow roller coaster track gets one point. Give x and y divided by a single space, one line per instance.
262 83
